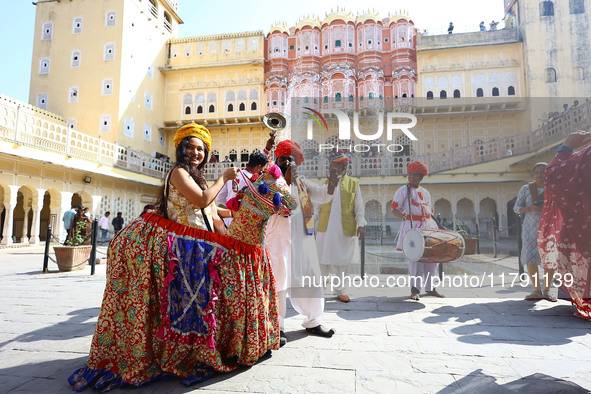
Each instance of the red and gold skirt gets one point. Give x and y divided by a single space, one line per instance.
179 301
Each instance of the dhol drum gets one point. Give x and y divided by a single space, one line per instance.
432 245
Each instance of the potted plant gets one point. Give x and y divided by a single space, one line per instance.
73 256
469 242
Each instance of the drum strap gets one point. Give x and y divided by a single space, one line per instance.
409 204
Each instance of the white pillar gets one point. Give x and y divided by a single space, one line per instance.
9 217
36 223
60 231
24 239
454 208
96 204
502 212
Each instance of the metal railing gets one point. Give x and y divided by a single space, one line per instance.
26 125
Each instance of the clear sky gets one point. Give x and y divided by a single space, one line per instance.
204 17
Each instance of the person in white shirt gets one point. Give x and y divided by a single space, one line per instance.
104 226
256 163
341 224
291 245
419 216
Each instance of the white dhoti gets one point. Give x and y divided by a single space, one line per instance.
336 251
295 261
421 274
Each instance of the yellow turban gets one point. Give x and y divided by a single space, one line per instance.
192 130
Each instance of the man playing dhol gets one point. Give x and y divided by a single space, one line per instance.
290 242
419 216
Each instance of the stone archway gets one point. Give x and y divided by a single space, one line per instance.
443 211
465 212
22 215
488 210
373 216
82 198
48 215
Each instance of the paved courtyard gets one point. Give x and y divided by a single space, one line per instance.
480 339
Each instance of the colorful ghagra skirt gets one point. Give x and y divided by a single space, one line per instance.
179 301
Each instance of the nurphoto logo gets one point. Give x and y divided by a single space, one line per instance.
392 121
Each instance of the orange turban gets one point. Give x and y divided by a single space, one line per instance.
287 147
192 130
417 166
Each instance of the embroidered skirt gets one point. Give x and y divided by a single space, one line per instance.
179 301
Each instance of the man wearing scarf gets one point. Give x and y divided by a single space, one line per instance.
416 213
341 223
290 242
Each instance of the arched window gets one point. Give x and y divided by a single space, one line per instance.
479 92
338 97
443 94
511 91
430 95
200 109
546 8
325 99
495 92
253 106
241 107
457 93
211 109
351 98
371 96
230 107
188 110
550 75
337 43
403 95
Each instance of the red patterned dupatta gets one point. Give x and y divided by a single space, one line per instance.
564 238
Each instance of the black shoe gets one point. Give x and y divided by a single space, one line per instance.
320 331
282 339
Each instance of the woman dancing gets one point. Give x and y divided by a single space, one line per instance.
181 300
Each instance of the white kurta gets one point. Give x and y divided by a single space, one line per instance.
294 257
334 248
421 208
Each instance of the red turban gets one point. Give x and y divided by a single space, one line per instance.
417 166
287 148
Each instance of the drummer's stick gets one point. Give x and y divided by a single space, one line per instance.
409 205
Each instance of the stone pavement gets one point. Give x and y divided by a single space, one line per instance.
477 340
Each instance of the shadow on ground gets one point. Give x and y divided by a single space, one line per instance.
478 382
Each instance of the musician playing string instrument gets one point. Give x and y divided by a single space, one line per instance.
421 211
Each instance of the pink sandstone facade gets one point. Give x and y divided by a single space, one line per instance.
345 61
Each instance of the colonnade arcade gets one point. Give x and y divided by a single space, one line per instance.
26 211
463 209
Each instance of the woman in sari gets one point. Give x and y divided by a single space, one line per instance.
529 203
564 238
181 300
